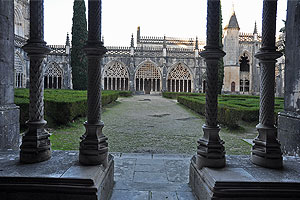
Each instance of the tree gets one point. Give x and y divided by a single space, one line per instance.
79 38
281 39
221 63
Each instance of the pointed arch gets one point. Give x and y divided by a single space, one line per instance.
148 77
19 68
53 76
180 78
19 22
115 76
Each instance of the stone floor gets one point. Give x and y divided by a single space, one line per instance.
151 177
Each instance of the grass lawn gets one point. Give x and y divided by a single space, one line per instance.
68 137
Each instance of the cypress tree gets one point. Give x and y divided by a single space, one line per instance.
221 63
79 38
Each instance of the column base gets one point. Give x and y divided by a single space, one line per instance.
93 148
35 143
266 150
9 127
211 152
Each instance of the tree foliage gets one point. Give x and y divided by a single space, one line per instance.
221 63
79 38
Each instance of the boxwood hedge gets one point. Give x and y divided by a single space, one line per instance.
62 106
231 108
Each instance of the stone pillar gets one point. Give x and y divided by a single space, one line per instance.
93 148
211 152
266 149
35 143
289 119
9 112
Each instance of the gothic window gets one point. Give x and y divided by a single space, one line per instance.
244 63
19 26
19 72
116 77
247 84
148 78
241 85
53 76
179 79
233 86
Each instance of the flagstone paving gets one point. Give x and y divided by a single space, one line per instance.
151 177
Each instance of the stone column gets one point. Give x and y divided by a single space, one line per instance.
289 119
266 150
9 112
35 143
93 148
211 152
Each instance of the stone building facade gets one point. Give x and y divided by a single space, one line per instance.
154 64
58 71
171 64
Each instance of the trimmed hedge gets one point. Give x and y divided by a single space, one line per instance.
61 106
174 95
231 108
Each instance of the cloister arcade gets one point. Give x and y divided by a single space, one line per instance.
53 76
96 181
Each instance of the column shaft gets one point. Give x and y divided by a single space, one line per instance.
93 146
211 152
35 143
266 150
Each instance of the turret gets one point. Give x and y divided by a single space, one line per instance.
68 44
138 35
231 41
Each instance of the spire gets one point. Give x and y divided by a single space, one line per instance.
132 41
196 44
164 42
138 34
255 28
68 40
233 23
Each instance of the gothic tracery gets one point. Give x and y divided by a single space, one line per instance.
116 77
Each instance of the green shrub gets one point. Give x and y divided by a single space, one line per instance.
61 106
231 108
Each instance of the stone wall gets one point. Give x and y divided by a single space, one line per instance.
289 120
9 112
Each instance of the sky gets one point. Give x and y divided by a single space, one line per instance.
173 18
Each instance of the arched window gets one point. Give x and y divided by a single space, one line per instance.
233 86
244 63
19 23
179 79
148 78
53 76
19 72
116 77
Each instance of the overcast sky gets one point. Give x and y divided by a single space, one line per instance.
173 18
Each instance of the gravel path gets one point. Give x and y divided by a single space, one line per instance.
147 123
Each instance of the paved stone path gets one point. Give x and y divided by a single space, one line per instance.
151 177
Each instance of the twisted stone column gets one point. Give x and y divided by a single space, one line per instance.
93 146
266 151
35 143
211 152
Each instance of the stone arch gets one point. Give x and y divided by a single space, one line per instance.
115 76
20 75
53 76
148 77
19 22
180 78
